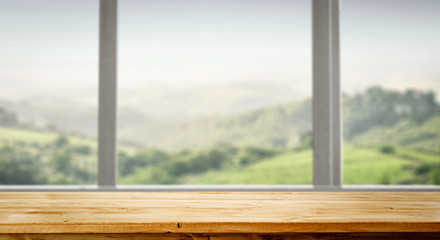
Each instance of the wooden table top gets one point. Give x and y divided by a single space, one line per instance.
139 212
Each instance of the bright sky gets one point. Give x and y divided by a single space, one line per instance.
54 43
392 43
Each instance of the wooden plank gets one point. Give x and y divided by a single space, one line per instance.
297 236
137 212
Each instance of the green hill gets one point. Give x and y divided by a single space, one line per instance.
360 166
286 168
42 156
390 137
279 126
424 137
283 125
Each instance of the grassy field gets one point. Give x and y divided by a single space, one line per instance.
360 165
42 137
390 137
286 168
369 166
423 137
10 135
43 144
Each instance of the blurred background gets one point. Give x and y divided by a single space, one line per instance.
217 92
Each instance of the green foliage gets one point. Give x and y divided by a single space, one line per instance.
417 156
361 166
214 158
429 173
386 179
141 165
289 125
253 149
19 166
186 163
387 149
63 166
178 168
64 169
435 177
150 176
380 107
290 167
127 165
306 140
82 149
61 161
249 155
61 141
369 166
423 138
423 169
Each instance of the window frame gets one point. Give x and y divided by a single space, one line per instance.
327 120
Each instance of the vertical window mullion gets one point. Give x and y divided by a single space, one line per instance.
326 94
107 94
336 96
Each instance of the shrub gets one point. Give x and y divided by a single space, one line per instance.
213 158
149 157
387 149
386 178
435 177
254 154
20 167
306 140
82 149
423 169
61 141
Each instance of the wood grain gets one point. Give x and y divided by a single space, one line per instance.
297 236
199 213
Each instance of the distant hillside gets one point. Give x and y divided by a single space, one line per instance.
379 107
167 102
376 116
361 166
64 115
408 119
421 137
390 138
160 102
283 125
277 126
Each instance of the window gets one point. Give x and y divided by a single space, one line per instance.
214 92
48 92
217 93
390 81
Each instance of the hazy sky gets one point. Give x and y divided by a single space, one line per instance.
53 44
48 45
393 43
199 41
